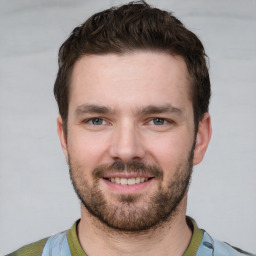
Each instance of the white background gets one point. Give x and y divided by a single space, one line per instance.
36 197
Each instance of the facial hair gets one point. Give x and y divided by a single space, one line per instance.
131 213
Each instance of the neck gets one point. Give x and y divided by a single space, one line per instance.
171 238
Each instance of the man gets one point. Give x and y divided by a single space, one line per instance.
133 91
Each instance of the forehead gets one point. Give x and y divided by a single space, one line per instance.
133 78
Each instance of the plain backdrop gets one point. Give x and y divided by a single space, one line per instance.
36 196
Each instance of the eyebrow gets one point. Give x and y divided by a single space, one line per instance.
162 109
85 109
148 110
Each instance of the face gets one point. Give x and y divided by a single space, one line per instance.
131 142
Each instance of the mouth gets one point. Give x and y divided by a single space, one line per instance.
128 181
127 184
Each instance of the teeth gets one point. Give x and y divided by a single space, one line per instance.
131 181
124 181
137 180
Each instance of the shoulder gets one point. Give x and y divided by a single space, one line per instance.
205 245
33 249
225 249
57 244
210 246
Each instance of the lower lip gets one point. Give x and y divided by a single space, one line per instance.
128 189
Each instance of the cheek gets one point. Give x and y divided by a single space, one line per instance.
86 149
170 151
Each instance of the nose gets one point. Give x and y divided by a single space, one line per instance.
127 143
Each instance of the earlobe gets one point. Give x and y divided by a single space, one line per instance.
202 139
62 136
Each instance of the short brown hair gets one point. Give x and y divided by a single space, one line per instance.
131 27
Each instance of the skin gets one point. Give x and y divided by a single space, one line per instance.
126 85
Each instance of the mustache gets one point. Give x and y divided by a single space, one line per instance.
132 166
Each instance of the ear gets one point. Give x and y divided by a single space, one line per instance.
62 137
202 138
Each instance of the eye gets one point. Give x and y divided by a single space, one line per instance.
96 121
158 121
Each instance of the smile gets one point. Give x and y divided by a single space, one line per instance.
130 181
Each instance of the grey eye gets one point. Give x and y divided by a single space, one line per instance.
158 121
97 121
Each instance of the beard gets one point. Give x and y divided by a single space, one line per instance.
132 212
